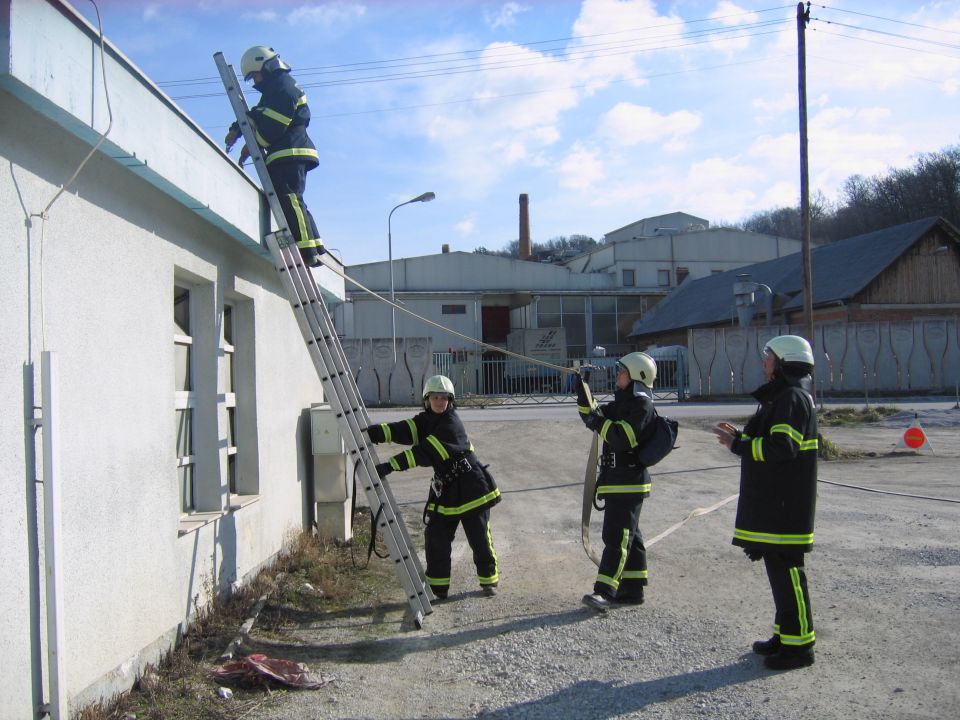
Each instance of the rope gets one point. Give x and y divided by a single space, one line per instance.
703 511
696 513
889 492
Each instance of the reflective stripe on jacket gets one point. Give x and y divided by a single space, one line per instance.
280 121
624 421
441 442
778 470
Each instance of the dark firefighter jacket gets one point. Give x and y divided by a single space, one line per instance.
440 442
623 426
778 470
280 121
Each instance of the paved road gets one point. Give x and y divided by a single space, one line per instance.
559 411
884 581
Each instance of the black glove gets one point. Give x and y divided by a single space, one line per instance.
375 433
754 555
233 134
384 469
593 420
580 387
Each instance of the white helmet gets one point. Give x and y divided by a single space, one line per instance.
640 367
790 349
261 59
438 384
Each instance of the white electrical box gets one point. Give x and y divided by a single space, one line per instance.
325 431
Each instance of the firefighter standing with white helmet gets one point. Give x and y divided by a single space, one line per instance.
623 482
280 123
462 490
778 493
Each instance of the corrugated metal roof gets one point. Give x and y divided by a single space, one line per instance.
840 271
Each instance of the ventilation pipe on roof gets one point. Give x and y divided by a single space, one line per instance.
743 293
445 248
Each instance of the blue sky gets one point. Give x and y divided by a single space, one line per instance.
602 111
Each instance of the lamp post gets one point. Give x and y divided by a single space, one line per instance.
426 197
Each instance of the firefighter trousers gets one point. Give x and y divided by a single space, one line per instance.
438 543
290 181
623 564
788 581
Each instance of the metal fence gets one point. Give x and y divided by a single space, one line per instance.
495 378
919 356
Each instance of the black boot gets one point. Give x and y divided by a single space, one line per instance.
632 598
767 647
790 658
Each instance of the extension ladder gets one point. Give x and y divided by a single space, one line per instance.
339 386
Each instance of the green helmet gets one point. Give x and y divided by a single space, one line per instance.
262 59
640 367
438 384
790 349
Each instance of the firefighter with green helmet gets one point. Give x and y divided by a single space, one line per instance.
778 494
462 490
280 121
623 482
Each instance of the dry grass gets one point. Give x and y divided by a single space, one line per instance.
852 416
313 576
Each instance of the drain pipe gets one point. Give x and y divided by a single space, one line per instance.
56 708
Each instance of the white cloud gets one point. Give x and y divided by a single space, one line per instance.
780 194
482 140
151 12
729 13
260 16
771 108
628 124
636 27
327 15
581 169
506 17
467 226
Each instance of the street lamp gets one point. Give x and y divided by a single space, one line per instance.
426 197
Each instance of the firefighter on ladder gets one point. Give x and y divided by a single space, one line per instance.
461 493
280 123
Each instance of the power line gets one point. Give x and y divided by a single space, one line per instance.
507 96
912 38
460 53
573 55
837 61
886 44
886 19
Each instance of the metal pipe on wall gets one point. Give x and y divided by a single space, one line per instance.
57 706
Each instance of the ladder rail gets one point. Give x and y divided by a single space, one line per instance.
329 359
316 324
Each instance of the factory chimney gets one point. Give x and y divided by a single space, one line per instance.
526 249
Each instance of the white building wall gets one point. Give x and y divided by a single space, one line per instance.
675 222
93 282
472 271
371 319
701 253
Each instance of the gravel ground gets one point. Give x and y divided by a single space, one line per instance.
884 582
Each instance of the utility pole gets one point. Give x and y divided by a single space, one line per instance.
803 17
